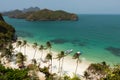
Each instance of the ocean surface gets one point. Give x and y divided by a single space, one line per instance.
96 36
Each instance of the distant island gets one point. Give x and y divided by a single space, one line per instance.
35 14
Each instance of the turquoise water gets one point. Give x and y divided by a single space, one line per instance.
96 36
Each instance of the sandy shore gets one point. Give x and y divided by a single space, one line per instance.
69 64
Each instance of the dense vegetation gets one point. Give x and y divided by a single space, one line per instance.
6 32
43 15
102 71
13 74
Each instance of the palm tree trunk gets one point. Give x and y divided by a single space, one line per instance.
35 53
76 66
61 66
41 54
20 49
51 65
25 50
49 50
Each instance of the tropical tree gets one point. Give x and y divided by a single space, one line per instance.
86 75
35 47
7 53
20 59
113 74
64 54
49 57
97 71
19 43
13 74
76 56
49 46
33 66
59 57
34 61
41 48
10 47
24 44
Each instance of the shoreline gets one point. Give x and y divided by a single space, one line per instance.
69 64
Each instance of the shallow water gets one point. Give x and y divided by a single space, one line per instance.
96 36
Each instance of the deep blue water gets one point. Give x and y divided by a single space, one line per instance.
96 36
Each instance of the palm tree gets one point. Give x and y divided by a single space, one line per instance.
24 44
11 48
86 75
20 59
49 57
59 57
7 53
34 61
62 56
19 43
35 47
49 46
41 48
76 56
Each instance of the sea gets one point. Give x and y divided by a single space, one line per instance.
97 37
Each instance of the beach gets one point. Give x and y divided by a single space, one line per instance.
69 64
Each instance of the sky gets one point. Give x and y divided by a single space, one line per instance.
73 6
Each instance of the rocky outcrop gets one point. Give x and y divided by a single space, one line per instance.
1 18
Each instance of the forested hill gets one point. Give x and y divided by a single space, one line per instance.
6 32
42 15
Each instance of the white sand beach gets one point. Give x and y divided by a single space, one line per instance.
69 64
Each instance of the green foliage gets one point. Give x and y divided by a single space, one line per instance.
13 74
6 52
100 68
114 74
45 70
20 58
6 32
49 56
66 77
60 55
75 78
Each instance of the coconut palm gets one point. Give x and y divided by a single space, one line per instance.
76 56
10 47
19 43
24 44
41 48
62 54
49 57
86 75
20 59
34 61
35 47
59 57
7 53
49 46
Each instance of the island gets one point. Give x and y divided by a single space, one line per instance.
36 14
